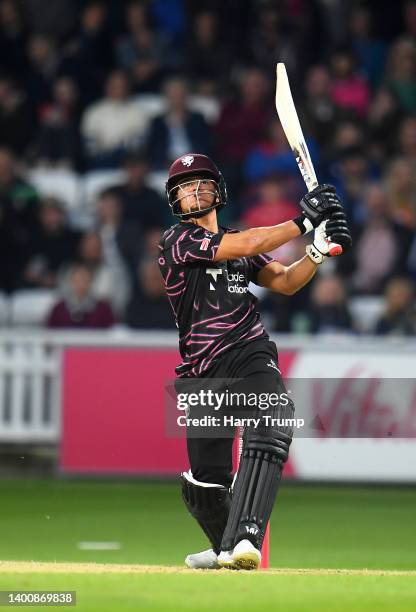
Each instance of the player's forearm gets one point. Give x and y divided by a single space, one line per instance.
299 274
264 239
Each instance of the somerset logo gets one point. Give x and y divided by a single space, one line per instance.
188 160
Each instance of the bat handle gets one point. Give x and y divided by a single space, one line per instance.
334 249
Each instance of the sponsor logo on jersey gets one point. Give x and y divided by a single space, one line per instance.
188 160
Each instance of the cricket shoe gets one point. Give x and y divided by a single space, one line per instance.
207 559
244 556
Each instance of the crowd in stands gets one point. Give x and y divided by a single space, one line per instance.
98 86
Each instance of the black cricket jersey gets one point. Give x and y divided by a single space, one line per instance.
213 307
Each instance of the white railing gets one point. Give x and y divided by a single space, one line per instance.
30 370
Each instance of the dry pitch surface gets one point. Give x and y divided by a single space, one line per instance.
24 567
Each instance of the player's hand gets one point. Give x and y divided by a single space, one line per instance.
320 203
323 245
338 231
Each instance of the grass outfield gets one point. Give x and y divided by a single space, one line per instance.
312 527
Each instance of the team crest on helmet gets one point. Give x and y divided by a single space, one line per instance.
188 160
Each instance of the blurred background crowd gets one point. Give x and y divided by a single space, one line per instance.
98 97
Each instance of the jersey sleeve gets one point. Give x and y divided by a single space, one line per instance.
257 263
192 246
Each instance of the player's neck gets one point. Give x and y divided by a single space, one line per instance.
208 222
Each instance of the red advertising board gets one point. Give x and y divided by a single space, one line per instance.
113 418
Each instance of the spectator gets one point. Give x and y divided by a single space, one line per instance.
381 235
369 51
18 219
107 282
318 111
350 174
142 205
149 308
242 123
399 318
12 38
51 245
207 55
273 154
121 241
272 205
401 189
350 90
89 55
141 52
329 311
407 139
272 41
111 126
78 307
43 69
401 74
383 120
58 142
178 130
15 117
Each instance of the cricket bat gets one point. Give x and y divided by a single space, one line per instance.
290 123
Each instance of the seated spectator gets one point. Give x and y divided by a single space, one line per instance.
89 54
350 90
121 241
79 308
141 51
107 282
350 174
383 120
112 126
272 205
15 118
401 189
242 123
407 139
13 36
329 310
273 154
400 75
381 235
178 130
207 54
149 307
319 115
51 245
271 40
399 318
57 141
369 51
18 219
44 66
142 205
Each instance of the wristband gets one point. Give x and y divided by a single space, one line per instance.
303 224
316 256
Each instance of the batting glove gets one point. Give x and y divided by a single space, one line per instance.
322 246
320 203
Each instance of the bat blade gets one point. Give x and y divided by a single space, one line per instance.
290 122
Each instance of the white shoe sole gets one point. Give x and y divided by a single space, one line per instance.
244 556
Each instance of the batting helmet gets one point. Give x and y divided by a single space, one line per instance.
187 166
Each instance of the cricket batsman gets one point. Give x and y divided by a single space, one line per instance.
207 269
